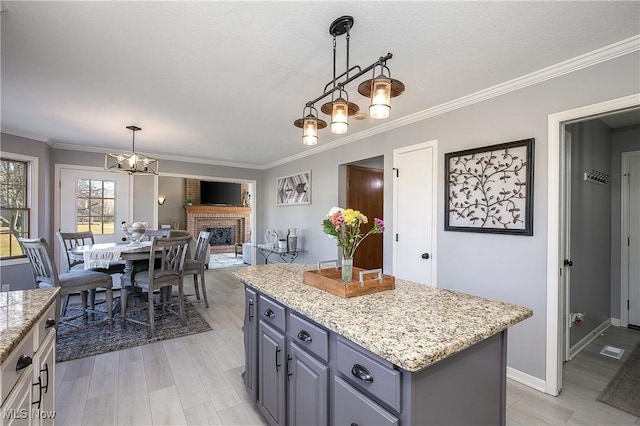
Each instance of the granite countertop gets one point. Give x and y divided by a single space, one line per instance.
19 312
412 326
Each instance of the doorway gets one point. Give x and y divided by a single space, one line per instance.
556 313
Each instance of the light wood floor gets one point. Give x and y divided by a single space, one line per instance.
196 379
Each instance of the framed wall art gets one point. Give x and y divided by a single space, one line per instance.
490 189
294 190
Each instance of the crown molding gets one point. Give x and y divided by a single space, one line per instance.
612 51
27 135
198 160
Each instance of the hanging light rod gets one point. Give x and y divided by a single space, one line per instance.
380 88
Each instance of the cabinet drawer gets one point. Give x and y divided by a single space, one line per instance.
45 324
353 408
368 374
9 374
271 312
309 336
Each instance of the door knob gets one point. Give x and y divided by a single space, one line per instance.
425 255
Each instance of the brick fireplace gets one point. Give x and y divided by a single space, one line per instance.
218 217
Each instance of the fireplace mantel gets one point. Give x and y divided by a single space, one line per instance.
217 210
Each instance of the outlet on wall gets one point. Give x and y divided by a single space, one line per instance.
6 287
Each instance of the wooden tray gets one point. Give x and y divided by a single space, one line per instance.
330 279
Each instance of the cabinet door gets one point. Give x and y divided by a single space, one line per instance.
16 410
271 374
351 407
250 343
308 388
45 381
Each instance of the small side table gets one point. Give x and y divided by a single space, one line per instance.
238 249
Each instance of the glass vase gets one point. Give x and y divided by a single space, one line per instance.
347 268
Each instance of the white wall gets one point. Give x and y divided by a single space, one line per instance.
503 267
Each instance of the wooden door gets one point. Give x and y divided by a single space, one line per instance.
365 192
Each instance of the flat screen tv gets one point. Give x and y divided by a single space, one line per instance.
220 193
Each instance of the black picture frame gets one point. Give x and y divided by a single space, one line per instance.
490 189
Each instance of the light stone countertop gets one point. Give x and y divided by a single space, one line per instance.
412 326
19 312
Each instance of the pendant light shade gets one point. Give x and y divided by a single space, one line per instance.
339 116
310 124
380 96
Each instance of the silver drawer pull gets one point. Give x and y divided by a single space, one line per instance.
361 373
322 262
304 336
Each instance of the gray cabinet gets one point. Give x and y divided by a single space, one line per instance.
251 343
271 374
308 388
351 407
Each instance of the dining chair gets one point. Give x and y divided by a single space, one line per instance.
161 276
46 276
197 264
70 240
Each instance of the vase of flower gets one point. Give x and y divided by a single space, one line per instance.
344 225
347 269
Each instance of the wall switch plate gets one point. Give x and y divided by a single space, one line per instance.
6 287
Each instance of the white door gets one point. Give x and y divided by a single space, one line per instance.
93 200
634 239
415 169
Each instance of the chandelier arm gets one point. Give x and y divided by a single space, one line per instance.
381 61
340 76
348 37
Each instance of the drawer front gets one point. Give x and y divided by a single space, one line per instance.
45 324
353 408
271 312
309 336
368 374
9 374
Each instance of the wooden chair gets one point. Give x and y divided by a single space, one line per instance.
69 240
161 276
46 275
197 265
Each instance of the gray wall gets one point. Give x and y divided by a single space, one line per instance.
172 188
20 276
623 140
590 227
514 268
144 200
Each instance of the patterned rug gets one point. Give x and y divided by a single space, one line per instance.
623 391
76 340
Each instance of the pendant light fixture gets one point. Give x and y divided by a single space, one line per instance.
131 163
310 124
380 89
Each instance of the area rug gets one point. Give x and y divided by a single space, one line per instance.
623 391
225 260
76 340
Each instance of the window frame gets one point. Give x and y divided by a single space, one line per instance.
31 200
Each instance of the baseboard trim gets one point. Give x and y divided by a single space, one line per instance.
590 337
616 322
526 379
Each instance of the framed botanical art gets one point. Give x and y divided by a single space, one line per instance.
490 189
294 190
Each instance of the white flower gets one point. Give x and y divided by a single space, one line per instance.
333 211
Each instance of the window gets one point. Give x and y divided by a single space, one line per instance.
95 206
14 206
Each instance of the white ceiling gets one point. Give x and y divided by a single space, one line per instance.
222 82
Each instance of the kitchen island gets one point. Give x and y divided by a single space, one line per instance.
413 355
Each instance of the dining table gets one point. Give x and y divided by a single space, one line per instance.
134 256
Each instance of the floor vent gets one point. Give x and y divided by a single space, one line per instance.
612 352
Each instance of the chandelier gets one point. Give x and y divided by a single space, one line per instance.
133 162
380 89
